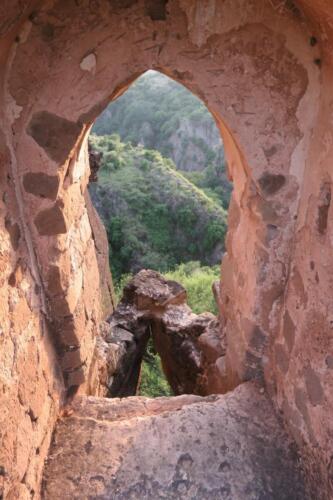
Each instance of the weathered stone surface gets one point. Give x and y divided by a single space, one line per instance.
51 221
117 409
150 291
56 135
323 208
118 356
156 9
271 183
94 163
14 233
88 63
40 184
189 344
102 253
230 446
266 68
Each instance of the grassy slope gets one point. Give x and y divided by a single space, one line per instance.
155 217
155 108
197 280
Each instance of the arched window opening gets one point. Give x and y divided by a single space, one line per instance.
162 192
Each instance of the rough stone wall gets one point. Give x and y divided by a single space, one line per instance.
263 69
50 303
30 378
300 367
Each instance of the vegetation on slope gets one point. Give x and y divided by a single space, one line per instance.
155 218
153 382
161 114
150 112
197 280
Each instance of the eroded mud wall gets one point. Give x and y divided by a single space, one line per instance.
48 310
300 364
262 68
30 377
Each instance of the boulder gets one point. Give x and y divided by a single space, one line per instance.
189 344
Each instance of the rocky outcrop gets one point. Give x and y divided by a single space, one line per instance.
94 163
194 145
191 346
118 354
186 447
192 350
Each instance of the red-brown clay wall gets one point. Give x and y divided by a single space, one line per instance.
30 379
47 294
300 363
255 65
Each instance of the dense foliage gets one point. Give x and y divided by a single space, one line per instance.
155 218
150 112
197 280
153 382
161 114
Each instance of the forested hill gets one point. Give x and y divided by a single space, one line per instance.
161 114
155 218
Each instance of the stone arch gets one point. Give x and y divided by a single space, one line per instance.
253 65
67 98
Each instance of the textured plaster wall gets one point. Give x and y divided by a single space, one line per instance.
300 368
30 379
263 69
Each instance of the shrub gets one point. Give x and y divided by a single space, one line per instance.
153 382
197 280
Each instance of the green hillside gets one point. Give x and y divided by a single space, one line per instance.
151 110
161 114
155 218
